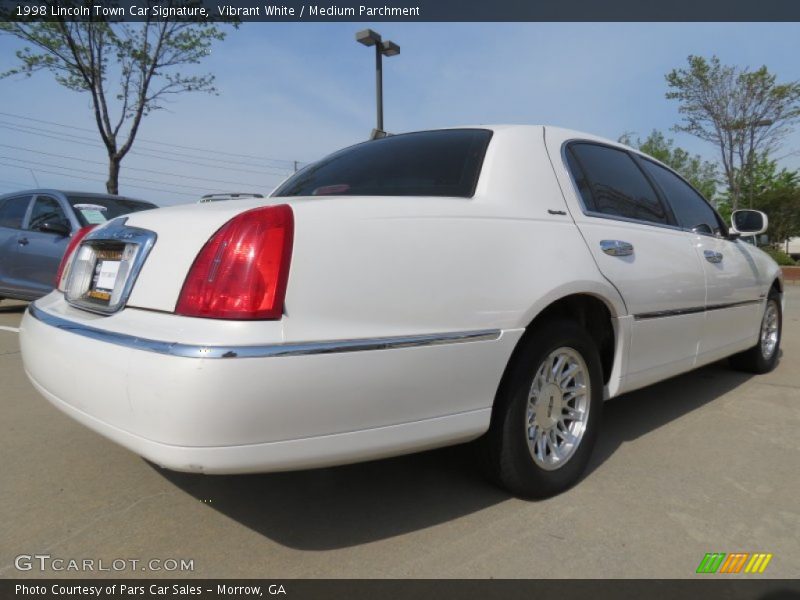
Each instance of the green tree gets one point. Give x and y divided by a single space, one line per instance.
702 174
777 193
782 206
142 58
744 113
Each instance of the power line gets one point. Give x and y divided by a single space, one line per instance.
142 187
83 141
145 140
16 183
169 156
97 162
795 153
87 141
34 162
163 155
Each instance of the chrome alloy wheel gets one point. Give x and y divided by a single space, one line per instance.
769 330
558 408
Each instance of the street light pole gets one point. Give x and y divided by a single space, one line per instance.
379 85
368 37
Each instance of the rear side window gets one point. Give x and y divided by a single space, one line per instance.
580 180
427 163
12 211
690 208
615 185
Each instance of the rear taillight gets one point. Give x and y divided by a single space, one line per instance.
242 270
66 260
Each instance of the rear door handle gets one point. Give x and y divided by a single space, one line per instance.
23 241
712 256
616 247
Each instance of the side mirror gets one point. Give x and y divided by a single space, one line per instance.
749 222
57 227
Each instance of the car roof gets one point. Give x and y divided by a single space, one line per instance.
536 129
73 193
566 134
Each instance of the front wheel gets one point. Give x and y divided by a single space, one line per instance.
547 412
763 357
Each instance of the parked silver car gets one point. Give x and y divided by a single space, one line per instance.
35 227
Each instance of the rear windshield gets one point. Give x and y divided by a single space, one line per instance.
92 210
428 163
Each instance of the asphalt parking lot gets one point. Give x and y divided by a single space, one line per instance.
705 462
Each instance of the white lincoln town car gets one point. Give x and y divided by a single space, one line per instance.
405 293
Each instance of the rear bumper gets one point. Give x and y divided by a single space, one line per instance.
270 410
320 451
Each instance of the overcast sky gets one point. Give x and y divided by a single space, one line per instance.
298 91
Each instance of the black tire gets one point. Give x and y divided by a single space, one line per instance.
505 448
754 359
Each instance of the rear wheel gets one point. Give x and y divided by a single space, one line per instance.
547 412
763 357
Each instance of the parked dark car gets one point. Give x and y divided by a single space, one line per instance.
35 227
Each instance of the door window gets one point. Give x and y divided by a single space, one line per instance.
611 183
580 180
12 211
690 208
47 210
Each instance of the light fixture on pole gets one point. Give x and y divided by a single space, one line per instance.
388 48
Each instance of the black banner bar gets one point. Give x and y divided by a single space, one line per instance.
407 10
708 587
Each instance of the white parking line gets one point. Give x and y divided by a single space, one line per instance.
12 329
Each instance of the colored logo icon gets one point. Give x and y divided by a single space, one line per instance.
735 562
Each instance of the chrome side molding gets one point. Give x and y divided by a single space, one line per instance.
695 309
261 351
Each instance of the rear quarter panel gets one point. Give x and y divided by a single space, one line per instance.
384 266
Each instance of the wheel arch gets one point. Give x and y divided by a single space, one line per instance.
777 285
594 313
597 310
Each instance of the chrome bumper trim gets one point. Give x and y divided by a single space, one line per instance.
261 351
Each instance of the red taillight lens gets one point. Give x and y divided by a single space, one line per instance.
242 270
66 260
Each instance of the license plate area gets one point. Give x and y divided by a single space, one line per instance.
107 261
105 267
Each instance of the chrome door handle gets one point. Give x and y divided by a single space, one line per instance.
23 241
616 247
712 256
